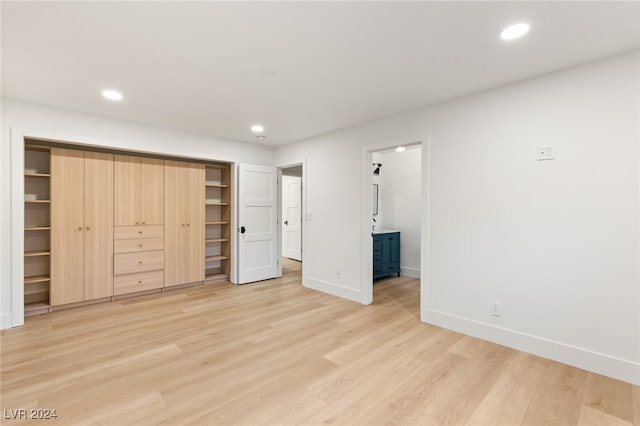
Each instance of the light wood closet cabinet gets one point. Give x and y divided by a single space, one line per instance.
99 225
81 226
184 222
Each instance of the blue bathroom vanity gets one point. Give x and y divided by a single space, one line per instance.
386 253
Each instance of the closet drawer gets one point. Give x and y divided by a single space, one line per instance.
129 263
142 231
138 244
132 283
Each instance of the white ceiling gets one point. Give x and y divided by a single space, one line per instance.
299 68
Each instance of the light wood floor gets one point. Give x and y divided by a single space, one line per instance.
276 353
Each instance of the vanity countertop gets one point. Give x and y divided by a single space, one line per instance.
384 231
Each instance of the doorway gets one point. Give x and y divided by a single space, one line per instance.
392 187
291 213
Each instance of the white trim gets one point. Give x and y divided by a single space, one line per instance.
5 321
407 271
333 289
606 365
425 232
16 257
279 226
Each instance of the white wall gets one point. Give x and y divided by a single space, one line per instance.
105 132
400 199
556 243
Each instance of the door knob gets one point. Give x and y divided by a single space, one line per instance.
243 229
286 222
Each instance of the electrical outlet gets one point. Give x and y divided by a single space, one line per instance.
495 309
545 153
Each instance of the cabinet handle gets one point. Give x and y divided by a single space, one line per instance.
88 228
188 224
140 245
139 282
139 232
137 223
140 262
144 223
79 228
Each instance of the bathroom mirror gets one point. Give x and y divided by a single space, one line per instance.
374 197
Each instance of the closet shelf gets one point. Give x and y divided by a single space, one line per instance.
217 257
43 175
36 308
37 201
215 203
37 228
36 279
216 240
32 291
37 253
216 223
216 185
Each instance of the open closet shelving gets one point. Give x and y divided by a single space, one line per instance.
37 229
217 222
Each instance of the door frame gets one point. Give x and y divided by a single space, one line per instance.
286 201
366 213
281 167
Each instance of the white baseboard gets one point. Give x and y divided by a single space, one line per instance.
409 272
620 369
5 321
333 289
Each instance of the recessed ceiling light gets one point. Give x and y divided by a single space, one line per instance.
257 128
514 31
401 149
112 95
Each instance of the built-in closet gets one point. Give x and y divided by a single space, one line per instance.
104 224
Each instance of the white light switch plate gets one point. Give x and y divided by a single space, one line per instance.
545 153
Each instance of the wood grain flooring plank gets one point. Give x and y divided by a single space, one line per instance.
558 400
609 396
275 352
507 401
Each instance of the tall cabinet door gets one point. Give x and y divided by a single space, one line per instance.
151 191
98 220
184 222
126 181
174 224
67 226
194 217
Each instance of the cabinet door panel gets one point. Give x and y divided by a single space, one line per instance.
194 217
173 225
67 226
98 186
126 183
151 191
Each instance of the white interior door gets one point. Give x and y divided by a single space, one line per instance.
292 217
257 223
